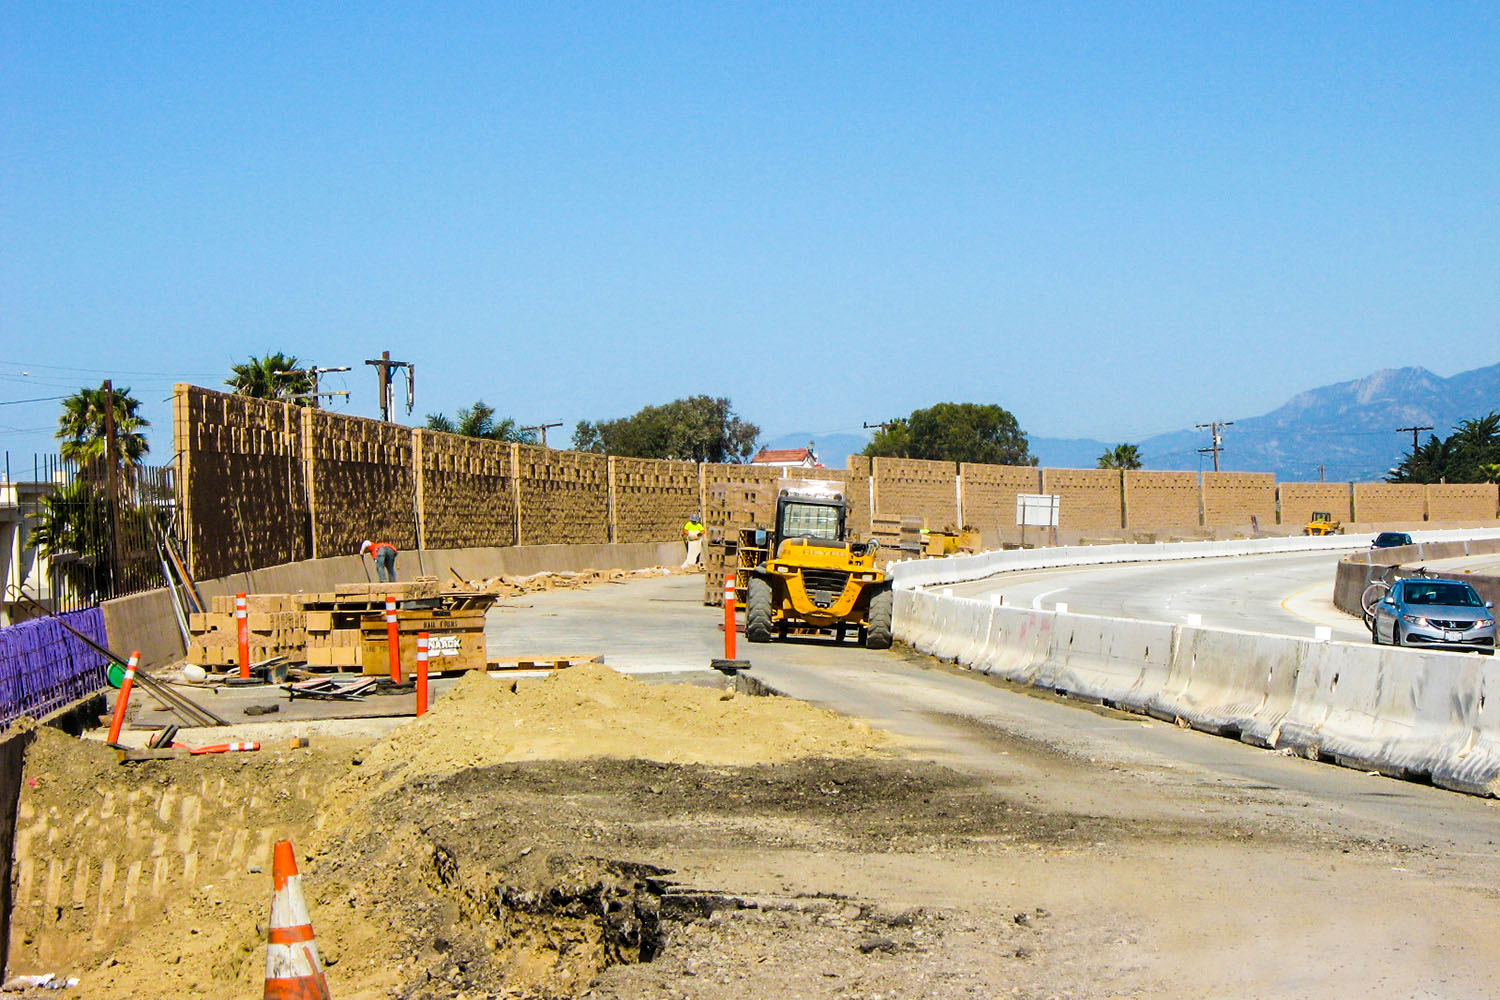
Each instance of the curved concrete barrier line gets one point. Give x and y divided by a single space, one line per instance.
1407 713
959 569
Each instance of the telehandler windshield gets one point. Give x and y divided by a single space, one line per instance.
823 522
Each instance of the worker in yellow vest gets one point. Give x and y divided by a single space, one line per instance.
692 534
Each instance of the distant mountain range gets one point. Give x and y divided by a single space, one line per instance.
1348 428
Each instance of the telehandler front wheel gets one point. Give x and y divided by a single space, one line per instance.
882 606
758 611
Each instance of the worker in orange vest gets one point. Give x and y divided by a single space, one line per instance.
384 554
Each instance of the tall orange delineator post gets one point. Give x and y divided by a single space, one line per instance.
124 699
729 582
729 665
294 969
393 637
242 623
422 673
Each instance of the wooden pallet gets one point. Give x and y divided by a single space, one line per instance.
543 662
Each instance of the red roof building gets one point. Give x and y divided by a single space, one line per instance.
791 458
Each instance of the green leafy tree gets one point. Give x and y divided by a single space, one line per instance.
82 432
1121 456
479 421
1461 457
890 441
262 378
697 429
956 432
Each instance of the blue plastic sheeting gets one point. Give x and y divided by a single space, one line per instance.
44 667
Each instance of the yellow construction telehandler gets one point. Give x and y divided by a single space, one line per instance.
814 576
1322 523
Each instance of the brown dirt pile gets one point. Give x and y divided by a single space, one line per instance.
153 878
592 711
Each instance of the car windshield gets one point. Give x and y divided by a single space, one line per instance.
1453 595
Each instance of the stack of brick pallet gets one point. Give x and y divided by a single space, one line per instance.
734 505
323 629
276 624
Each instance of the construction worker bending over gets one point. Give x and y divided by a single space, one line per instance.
692 533
384 554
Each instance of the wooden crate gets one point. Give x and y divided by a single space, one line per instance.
456 641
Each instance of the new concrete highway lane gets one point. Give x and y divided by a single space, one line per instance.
661 626
1251 593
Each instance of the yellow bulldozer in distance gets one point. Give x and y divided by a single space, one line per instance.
813 576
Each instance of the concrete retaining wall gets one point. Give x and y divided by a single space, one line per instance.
1359 570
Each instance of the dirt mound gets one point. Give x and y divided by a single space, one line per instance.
592 711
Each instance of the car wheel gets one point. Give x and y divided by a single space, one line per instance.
1375 632
1395 634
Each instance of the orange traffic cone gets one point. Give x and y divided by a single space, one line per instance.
293 969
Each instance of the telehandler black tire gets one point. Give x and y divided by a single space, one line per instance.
758 611
882 606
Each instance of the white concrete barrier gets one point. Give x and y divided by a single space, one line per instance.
958 569
1408 713
1102 659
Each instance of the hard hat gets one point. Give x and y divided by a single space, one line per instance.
364 546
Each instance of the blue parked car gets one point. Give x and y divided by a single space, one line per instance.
1446 614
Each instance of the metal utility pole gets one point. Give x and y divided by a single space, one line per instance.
111 473
385 371
543 429
1217 438
314 373
1414 432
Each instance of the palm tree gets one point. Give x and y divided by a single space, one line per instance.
263 378
1121 456
72 532
479 421
1473 444
81 426
1428 463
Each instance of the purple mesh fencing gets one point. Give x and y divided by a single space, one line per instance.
43 667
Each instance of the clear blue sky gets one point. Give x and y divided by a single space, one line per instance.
1112 219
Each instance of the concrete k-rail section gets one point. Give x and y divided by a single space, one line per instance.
1422 715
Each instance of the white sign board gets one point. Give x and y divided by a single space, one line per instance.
1037 510
443 645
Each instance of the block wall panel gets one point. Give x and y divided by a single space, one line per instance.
653 498
739 496
1375 502
1162 500
912 487
468 492
858 484
1462 501
1090 498
990 493
1299 501
1233 498
363 483
242 490
564 496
